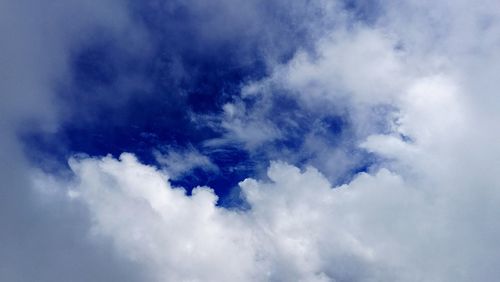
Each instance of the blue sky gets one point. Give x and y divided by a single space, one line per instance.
172 99
257 140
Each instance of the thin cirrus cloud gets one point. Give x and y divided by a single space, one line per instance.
367 153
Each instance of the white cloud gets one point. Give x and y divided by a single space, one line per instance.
180 162
427 214
178 238
429 222
249 127
424 223
377 228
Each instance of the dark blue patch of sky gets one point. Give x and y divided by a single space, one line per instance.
118 101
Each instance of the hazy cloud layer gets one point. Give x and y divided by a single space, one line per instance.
46 240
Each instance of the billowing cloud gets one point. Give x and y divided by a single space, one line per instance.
424 214
426 211
382 226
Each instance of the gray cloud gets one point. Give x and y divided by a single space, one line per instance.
46 240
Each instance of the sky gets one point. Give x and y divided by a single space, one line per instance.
231 140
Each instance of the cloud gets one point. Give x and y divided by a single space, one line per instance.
415 88
381 226
425 211
175 236
44 240
179 163
409 225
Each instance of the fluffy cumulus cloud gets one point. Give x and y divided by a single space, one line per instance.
409 85
294 231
